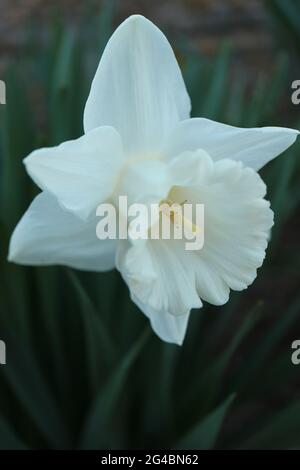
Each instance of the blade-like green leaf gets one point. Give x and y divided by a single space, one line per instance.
280 431
105 27
265 347
95 432
255 109
17 142
61 97
30 389
287 13
217 92
99 343
8 438
209 381
204 435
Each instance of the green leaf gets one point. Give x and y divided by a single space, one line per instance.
277 85
47 328
268 343
287 13
62 98
99 343
217 92
282 174
106 23
236 104
209 382
17 142
255 109
204 435
196 79
96 433
28 385
8 438
279 432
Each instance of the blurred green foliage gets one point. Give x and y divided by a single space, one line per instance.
83 368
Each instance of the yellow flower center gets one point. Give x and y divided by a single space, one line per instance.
175 212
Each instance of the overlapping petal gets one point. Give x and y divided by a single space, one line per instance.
138 88
140 142
254 147
159 285
80 173
157 277
166 280
48 235
169 328
237 226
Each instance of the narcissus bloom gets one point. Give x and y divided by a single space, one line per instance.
140 141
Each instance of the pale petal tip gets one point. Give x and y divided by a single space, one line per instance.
12 256
137 20
178 341
296 132
16 248
136 17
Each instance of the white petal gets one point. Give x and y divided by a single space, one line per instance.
80 173
157 278
169 328
165 280
49 235
254 147
149 287
138 87
190 168
145 181
237 225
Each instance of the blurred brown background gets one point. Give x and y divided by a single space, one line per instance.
204 22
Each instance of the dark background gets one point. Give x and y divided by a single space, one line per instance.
83 368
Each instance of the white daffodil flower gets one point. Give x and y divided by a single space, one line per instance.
140 141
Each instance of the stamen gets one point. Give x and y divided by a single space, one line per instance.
175 213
